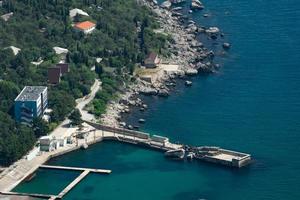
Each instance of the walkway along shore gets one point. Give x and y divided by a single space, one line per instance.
96 133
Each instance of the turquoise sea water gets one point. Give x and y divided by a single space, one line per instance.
252 105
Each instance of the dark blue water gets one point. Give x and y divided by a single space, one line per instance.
252 105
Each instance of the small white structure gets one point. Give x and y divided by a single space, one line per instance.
98 60
15 50
6 17
59 50
86 27
46 115
156 139
77 11
47 143
62 52
61 142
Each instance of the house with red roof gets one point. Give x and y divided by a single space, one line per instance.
86 27
152 60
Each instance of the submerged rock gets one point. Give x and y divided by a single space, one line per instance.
197 5
163 93
188 83
122 124
166 5
148 91
142 120
213 32
130 127
226 45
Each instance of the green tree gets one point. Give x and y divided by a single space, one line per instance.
40 127
75 118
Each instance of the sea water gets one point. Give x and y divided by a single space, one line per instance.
251 105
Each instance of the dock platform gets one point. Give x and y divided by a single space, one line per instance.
103 171
72 184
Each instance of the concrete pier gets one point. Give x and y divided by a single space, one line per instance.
35 195
205 153
73 184
103 171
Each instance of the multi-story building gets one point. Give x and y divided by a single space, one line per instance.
31 103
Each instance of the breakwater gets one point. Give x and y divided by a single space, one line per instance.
210 154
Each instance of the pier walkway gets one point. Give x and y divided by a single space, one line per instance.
103 171
72 185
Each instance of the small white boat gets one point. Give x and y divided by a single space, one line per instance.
177 153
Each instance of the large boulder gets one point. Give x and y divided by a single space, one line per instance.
191 72
196 5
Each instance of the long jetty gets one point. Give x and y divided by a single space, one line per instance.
205 153
73 184
103 171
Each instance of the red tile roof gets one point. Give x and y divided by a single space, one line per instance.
85 25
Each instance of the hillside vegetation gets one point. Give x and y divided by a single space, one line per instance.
123 37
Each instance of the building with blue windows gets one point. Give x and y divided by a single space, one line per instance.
31 103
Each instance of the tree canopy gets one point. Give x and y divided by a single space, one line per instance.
122 38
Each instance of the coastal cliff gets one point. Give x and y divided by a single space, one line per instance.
186 52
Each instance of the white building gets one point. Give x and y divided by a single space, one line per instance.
47 143
61 52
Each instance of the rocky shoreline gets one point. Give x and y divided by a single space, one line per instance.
186 51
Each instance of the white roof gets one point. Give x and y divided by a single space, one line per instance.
6 17
46 137
77 11
59 50
14 49
98 60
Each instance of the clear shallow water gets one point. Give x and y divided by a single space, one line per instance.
48 181
251 105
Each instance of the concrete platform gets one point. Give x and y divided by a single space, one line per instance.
104 171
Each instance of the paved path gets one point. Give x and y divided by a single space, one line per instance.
14 174
104 171
81 103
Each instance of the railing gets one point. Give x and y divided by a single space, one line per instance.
120 130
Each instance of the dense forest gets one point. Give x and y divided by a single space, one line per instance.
123 37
